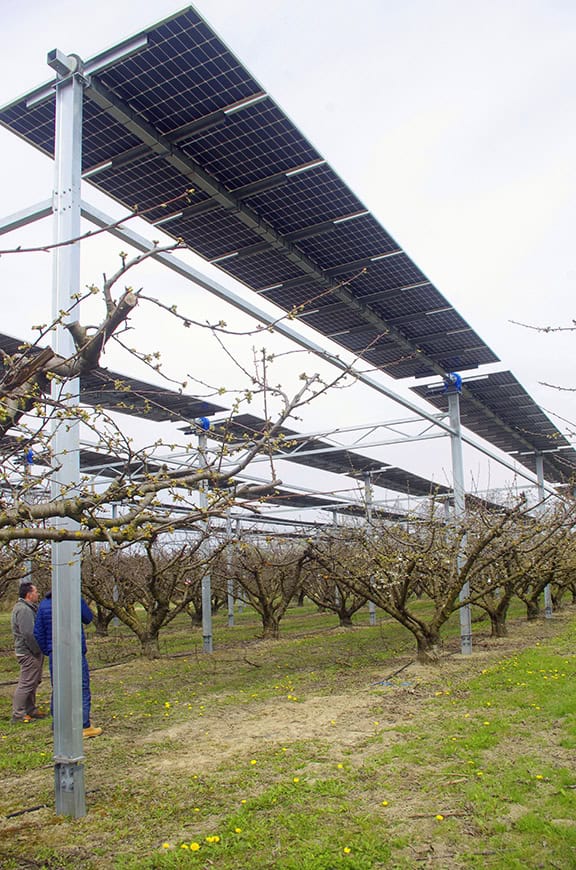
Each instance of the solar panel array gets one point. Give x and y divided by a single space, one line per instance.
116 392
498 409
185 133
288 498
184 113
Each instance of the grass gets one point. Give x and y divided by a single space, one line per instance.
295 755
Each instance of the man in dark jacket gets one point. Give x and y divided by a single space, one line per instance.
28 653
43 635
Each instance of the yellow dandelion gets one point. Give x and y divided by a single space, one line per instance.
184 846
296 779
196 809
539 776
167 704
439 818
346 850
243 801
384 803
340 766
237 830
165 845
194 847
253 761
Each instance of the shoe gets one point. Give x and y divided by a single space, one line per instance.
91 731
38 714
22 719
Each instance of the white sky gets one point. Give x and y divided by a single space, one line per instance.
452 120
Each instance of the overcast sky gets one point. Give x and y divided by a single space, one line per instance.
452 120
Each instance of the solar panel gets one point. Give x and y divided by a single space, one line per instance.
288 498
184 113
113 391
91 461
498 409
399 480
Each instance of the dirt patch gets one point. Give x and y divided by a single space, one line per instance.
344 720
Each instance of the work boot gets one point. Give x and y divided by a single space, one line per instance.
38 714
91 731
22 719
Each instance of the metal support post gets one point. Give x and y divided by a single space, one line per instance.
337 599
368 498
66 573
229 580
239 594
541 496
207 640
454 383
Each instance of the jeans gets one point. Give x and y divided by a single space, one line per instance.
86 694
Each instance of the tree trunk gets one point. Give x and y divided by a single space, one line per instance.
345 619
103 619
498 625
301 597
150 647
196 618
270 627
532 609
428 647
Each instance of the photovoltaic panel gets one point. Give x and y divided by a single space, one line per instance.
234 155
91 461
116 392
349 240
288 498
184 113
399 480
306 200
498 409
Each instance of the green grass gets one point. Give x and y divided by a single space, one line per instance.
294 756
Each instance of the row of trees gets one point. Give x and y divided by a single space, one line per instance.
413 571
133 569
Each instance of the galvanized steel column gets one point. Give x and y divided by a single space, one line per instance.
66 566
453 391
207 640
542 495
368 498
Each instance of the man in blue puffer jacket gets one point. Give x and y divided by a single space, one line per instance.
43 635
